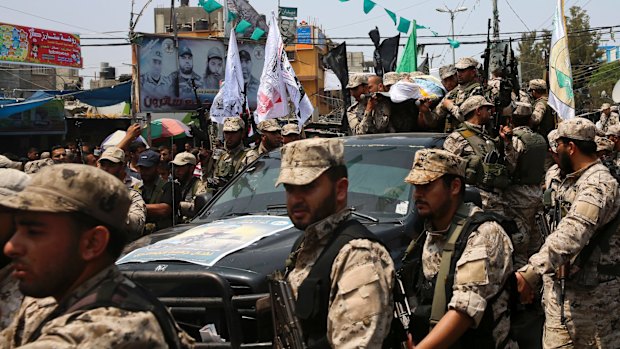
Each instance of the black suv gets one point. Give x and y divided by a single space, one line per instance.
213 270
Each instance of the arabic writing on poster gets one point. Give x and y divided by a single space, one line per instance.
19 44
208 243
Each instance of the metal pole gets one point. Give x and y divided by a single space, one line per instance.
453 50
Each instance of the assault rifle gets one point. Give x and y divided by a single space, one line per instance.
286 326
201 133
487 57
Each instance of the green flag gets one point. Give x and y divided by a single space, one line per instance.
210 5
409 60
368 6
242 26
454 43
231 16
403 25
392 15
258 32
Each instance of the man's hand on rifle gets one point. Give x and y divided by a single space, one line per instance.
505 132
526 293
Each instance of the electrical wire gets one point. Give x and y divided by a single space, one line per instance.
519 17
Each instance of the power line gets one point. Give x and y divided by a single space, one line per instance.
519 17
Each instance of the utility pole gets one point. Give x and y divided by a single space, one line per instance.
495 22
452 13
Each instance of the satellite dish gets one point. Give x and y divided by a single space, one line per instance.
615 95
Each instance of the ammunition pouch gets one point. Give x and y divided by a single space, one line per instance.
486 175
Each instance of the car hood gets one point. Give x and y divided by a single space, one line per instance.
242 249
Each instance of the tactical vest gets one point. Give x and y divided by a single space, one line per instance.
548 121
434 295
312 303
459 97
227 166
126 295
531 165
480 172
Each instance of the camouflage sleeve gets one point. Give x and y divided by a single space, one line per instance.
101 328
455 143
593 207
538 113
360 312
514 149
136 217
249 157
482 270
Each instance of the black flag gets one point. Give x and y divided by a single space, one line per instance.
423 67
388 50
376 56
336 60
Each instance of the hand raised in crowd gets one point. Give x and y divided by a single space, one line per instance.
505 132
526 293
134 131
372 102
425 105
447 103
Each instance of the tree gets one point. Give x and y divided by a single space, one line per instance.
583 48
532 49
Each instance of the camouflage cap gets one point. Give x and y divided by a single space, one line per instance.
8 163
305 160
46 155
233 124
538 84
604 144
113 154
290 129
66 188
12 181
613 130
447 71
522 109
34 166
472 103
390 78
605 106
184 158
466 62
552 137
431 164
357 79
269 125
577 129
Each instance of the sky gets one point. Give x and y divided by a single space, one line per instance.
110 19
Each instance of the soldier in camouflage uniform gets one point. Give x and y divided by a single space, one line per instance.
371 111
587 313
290 133
353 296
270 137
448 110
390 79
472 143
543 117
554 175
608 118
481 261
613 133
11 182
236 157
70 223
525 158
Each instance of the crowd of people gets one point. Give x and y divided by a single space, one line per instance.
539 249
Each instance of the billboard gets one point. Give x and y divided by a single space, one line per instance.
169 75
26 45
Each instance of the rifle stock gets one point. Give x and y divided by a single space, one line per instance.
286 326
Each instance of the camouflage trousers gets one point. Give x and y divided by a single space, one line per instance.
592 315
492 202
521 203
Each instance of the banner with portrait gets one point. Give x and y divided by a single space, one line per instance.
171 76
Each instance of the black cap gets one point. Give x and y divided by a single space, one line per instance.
245 55
149 158
185 50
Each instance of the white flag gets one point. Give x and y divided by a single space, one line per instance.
561 97
279 83
229 100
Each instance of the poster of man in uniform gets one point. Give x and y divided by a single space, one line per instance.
170 77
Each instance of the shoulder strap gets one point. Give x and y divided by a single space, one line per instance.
312 302
474 138
125 295
439 298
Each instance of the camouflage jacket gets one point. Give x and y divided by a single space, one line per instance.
10 297
363 122
233 161
360 303
106 327
458 96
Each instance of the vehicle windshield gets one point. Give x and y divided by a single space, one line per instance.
376 184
